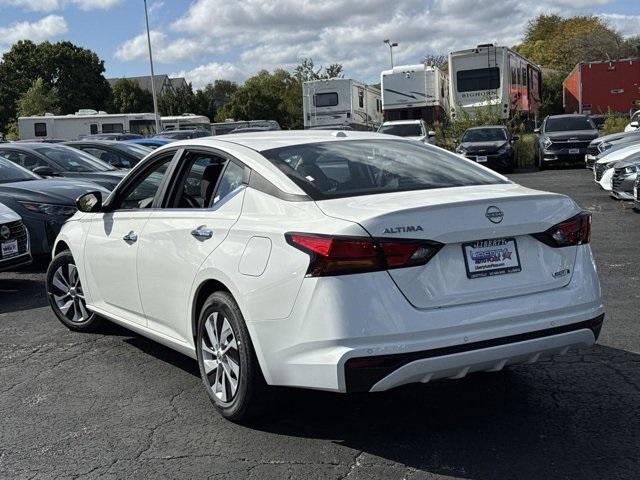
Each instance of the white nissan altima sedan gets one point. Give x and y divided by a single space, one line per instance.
339 261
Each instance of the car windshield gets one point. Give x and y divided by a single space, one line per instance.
10 172
138 151
402 129
567 124
363 167
72 160
484 135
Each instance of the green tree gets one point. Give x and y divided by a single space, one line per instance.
213 97
128 97
38 100
177 102
306 71
75 72
266 96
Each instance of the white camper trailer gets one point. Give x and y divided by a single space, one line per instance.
414 92
496 77
186 121
341 102
82 123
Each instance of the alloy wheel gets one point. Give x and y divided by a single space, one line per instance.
220 357
68 294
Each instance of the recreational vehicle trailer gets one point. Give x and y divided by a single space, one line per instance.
82 123
414 92
186 121
496 77
341 102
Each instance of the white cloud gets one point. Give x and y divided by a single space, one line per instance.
204 74
627 25
259 34
51 5
44 29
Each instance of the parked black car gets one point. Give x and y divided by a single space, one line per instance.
43 204
183 134
625 174
112 136
55 160
563 139
115 153
491 146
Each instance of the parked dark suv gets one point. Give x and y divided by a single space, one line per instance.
564 139
491 146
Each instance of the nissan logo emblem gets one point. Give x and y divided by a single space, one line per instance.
494 214
5 233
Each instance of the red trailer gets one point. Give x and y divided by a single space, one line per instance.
600 87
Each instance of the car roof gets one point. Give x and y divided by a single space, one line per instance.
401 122
261 141
106 143
569 115
483 127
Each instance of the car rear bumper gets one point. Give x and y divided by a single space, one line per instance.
338 319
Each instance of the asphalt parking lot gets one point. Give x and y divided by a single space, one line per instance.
115 405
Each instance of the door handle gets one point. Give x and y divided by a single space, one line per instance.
202 233
131 237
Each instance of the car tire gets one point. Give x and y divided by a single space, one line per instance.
228 365
66 296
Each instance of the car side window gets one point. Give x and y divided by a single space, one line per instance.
144 189
107 156
232 179
25 160
197 180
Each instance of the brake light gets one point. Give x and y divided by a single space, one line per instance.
338 255
575 231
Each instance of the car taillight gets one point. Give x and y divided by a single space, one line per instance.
338 255
575 231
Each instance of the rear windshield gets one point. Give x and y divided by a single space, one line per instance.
364 167
72 160
566 124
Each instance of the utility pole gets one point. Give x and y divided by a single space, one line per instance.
153 83
391 45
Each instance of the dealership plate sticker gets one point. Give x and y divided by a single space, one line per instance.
9 249
485 258
574 151
481 159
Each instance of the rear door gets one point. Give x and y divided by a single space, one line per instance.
201 206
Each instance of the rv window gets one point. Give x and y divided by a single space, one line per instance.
143 127
112 128
93 129
40 129
513 76
479 79
325 99
361 98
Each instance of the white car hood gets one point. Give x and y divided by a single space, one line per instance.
7 215
620 154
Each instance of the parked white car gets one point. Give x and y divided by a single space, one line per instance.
331 260
609 159
410 129
634 122
15 250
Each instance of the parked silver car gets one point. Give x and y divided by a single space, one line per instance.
624 178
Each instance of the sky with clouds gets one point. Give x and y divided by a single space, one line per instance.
205 40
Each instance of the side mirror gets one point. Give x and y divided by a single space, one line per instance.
536 131
90 202
44 171
514 138
634 124
431 134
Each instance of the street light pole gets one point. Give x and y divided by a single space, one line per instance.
391 45
153 83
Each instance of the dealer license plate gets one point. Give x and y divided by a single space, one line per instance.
9 249
497 256
574 151
481 159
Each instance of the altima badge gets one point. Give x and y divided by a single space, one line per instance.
494 214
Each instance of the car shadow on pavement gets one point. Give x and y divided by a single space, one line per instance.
576 417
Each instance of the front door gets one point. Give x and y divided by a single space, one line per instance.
198 212
111 247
